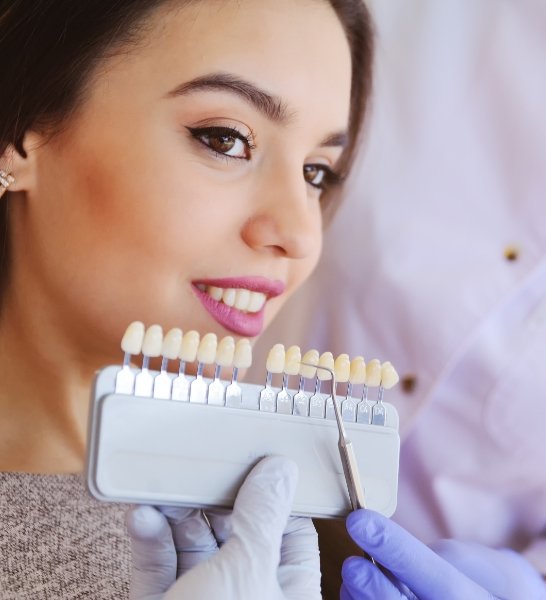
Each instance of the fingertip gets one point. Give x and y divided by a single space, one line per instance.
144 522
356 572
366 528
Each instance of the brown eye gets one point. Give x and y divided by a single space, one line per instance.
224 141
314 175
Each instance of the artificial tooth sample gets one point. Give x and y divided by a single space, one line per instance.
225 352
317 402
169 350
187 354
373 373
275 359
357 373
189 347
301 399
342 368
242 359
327 360
131 344
172 344
311 357
389 376
274 364
151 348
357 376
373 379
224 358
206 354
292 361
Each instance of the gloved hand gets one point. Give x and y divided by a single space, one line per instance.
266 555
449 570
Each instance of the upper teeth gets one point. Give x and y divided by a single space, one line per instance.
241 299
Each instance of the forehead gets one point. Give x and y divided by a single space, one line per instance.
297 49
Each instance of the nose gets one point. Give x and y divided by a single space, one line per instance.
286 218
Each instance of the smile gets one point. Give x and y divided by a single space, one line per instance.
238 304
241 299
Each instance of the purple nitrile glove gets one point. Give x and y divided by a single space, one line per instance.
448 570
256 551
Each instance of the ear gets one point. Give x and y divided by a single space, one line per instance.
22 166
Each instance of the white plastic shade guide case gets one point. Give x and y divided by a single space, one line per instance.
167 452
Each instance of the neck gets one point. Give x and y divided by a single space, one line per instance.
44 398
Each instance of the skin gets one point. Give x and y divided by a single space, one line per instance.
116 215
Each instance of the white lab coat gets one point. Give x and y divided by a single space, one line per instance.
452 177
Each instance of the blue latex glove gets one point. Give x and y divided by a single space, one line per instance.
254 552
449 570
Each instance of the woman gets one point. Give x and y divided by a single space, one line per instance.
149 150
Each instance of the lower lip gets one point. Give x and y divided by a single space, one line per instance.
240 323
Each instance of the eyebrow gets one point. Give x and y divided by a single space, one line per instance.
268 104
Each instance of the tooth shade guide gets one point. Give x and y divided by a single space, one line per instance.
348 410
326 360
172 344
342 368
242 358
131 343
389 376
275 359
153 342
189 347
373 373
206 351
225 352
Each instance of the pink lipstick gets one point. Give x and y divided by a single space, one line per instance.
240 322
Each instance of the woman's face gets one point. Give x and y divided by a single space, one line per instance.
186 189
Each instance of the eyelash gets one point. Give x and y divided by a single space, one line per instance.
329 178
216 132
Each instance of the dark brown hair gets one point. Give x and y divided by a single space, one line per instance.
50 48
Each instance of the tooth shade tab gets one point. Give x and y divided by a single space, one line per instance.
190 344
389 376
242 358
373 373
153 341
172 343
275 359
311 357
357 374
326 360
225 351
342 368
131 343
292 360
206 352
